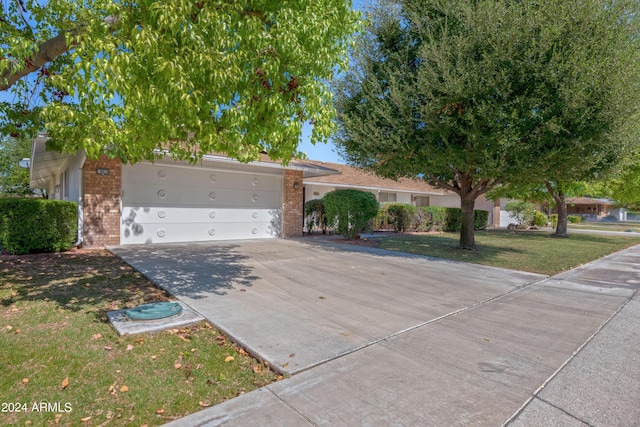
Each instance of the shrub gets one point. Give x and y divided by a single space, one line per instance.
523 212
453 219
401 216
554 219
316 215
430 218
37 225
574 219
350 211
540 219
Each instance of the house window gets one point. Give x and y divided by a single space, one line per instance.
421 201
386 197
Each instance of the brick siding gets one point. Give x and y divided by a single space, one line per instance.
101 202
292 210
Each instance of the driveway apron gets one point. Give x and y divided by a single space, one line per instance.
380 338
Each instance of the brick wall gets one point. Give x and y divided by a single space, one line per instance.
292 210
101 202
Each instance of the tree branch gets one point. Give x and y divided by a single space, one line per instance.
47 52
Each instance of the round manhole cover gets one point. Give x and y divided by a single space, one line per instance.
153 311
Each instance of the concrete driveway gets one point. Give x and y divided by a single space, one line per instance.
381 338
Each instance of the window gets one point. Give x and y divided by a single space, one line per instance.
421 200
386 197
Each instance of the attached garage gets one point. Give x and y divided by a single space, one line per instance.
169 201
179 203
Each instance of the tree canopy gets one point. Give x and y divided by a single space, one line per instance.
470 95
190 77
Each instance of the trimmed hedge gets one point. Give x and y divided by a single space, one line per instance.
404 217
350 211
37 225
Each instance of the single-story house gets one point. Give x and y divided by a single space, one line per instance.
404 190
593 209
169 201
215 199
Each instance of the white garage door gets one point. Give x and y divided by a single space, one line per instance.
163 203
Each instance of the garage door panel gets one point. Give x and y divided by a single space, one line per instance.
195 232
161 203
181 176
172 215
170 195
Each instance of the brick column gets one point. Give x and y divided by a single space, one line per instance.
292 209
101 181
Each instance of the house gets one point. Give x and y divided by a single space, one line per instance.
169 201
404 190
593 209
217 198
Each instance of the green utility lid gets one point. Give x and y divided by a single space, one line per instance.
153 311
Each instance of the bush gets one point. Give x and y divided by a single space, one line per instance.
523 212
430 218
402 217
574 219
554 219
37 225
540 219
350 211
453 219
315 215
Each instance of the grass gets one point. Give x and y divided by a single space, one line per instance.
614 226
535 252
53 330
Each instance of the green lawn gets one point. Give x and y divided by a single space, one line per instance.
518 250
58 350
606 226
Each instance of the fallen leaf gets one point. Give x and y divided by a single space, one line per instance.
322 297
285 365
160 411
124 389
129 347
228 358
9 327
57 418
97 336
17 331
292 355
177 365
108 347
154 357
118 371
65 383
193 349
204 404
486 339
86 285
140 341
25 380
85 419
28 423
280 377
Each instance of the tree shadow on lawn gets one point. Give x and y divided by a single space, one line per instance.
93 281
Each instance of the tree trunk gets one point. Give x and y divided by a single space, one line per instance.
561 207
467 232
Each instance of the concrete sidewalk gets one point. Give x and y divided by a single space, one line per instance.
503 348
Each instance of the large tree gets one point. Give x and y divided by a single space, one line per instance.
468 95
190 77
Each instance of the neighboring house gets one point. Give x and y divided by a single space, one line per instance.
404 190
168 201
593 209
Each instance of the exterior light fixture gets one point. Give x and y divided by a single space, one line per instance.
296 185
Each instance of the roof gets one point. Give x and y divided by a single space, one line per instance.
352 177
587 201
